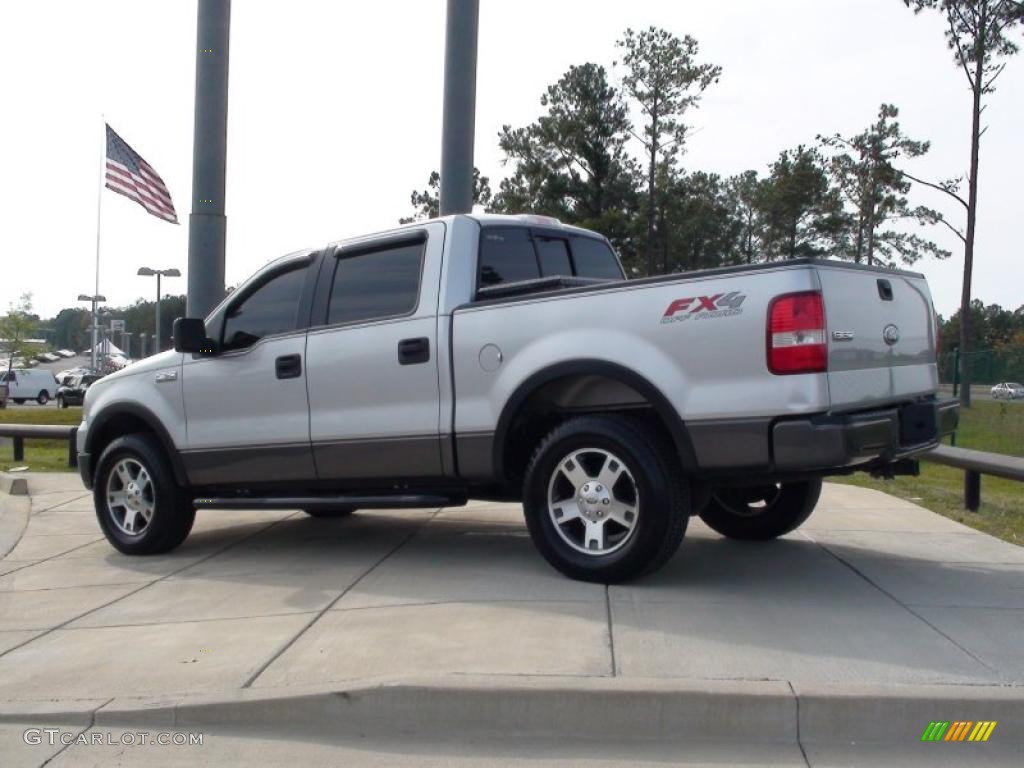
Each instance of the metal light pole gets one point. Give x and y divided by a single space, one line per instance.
459 124
207 225
106 347
95 299
147 272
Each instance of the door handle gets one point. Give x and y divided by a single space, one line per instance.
288 366
413 351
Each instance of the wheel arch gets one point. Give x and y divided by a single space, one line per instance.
128 418
565 375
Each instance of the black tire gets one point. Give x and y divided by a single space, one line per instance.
18 400
43 398
660 498
61 402
324 513
172 512
758 513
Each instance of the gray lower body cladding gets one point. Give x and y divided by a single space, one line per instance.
820 443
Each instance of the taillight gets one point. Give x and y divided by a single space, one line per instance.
796 334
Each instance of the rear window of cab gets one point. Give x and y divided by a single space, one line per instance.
514 254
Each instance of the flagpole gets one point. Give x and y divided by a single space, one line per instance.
99 220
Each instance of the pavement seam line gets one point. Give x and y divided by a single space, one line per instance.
142 586
322 612
905 607
799 743
89 727
611 633
179 621
58 506
45 559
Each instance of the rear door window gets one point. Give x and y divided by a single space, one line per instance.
376 285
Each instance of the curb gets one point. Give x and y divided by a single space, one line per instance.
531 708
14 513
13 486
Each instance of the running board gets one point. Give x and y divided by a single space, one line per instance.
404 501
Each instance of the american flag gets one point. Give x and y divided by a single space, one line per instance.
129 175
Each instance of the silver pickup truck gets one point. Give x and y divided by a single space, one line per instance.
507 357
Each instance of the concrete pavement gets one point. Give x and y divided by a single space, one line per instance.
874 618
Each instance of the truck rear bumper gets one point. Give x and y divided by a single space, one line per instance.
823 442
836 441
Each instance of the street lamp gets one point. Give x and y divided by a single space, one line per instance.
95 299
148 272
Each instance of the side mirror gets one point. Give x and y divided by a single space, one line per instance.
190 336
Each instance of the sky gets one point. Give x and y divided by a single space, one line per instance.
335 116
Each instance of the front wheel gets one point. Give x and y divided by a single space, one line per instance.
61 402
140 508
760 512
43 398
604 499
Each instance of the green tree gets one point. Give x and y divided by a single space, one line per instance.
863 169
700 228
17 327
978 32
664 79
801 211
744 192
572 162
427 202
71 328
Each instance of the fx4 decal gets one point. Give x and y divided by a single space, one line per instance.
704 307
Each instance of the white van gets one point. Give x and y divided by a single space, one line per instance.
24 384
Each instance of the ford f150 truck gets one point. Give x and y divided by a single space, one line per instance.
500 357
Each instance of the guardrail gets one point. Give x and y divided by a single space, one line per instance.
975 464
19 433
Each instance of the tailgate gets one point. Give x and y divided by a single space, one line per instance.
881 336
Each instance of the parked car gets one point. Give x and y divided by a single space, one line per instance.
72 392
497 357
1008 390
66 352
63 376
24 384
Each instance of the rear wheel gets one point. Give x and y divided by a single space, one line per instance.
604 499
140 508
61 403
329 512
18 400
760 512
43 397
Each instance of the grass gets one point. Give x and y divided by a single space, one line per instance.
985 426
40 455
